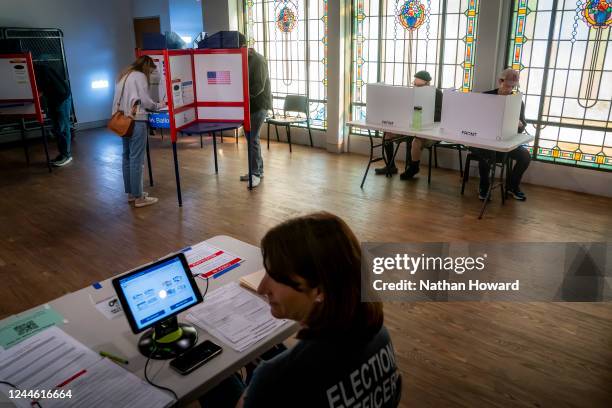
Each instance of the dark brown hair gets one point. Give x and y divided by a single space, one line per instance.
144 64
321 249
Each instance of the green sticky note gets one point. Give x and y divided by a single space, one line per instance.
19 328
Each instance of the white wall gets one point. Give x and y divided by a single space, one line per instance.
98 39
216 14
186 17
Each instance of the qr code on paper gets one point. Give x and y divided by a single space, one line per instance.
26 327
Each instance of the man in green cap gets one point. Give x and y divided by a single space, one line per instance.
421 78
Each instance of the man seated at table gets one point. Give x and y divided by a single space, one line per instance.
508 79
421 78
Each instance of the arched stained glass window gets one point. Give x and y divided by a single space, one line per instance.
393 39
563 51
292 35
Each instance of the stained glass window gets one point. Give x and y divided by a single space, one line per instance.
292 35
563 51
393 39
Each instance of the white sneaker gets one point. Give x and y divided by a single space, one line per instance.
144 201
131 198
61 162
256 181
246 177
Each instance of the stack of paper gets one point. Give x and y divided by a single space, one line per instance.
207 261
54 361
236 316
253 280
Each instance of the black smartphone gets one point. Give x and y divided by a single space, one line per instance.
197 356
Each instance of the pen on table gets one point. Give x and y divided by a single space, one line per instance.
114 358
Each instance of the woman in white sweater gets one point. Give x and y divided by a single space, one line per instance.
132 97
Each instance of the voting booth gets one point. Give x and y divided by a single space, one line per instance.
18 91
392 106
19 94
481 116
204 89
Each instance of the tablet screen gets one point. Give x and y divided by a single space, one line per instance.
158 291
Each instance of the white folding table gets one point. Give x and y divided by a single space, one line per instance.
94 330
438 134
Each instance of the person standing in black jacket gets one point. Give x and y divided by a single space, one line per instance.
260 101
58 99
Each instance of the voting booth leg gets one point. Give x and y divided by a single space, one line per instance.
149 162
215 151
249 158
46 144
176 174
24 141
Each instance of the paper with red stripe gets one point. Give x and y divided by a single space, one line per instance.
208 261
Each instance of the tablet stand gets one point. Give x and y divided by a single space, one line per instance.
167 339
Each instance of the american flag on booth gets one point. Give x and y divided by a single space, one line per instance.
218 77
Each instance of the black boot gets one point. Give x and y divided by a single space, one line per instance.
411 170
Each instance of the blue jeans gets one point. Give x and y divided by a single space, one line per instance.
257 121
60 116
133 159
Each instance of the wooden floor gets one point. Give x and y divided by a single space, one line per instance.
60 232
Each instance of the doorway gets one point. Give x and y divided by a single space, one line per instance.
145 25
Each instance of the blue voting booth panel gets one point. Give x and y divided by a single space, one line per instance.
159 120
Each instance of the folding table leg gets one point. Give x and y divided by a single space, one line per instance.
408 152
371 159
504 176
289 137
432 149
491 182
